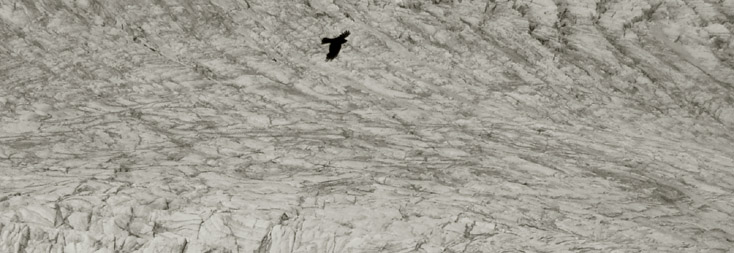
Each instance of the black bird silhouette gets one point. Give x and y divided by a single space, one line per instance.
336 45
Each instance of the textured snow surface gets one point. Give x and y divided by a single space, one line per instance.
443 126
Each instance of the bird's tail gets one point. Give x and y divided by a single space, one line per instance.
326 40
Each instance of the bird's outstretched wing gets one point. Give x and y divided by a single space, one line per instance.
334 49
344 35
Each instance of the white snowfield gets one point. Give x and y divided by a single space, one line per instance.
442 126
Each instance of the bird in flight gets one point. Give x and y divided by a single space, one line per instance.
336 45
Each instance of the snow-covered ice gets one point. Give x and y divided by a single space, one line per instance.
442 126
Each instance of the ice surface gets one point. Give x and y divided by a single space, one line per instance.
443 126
